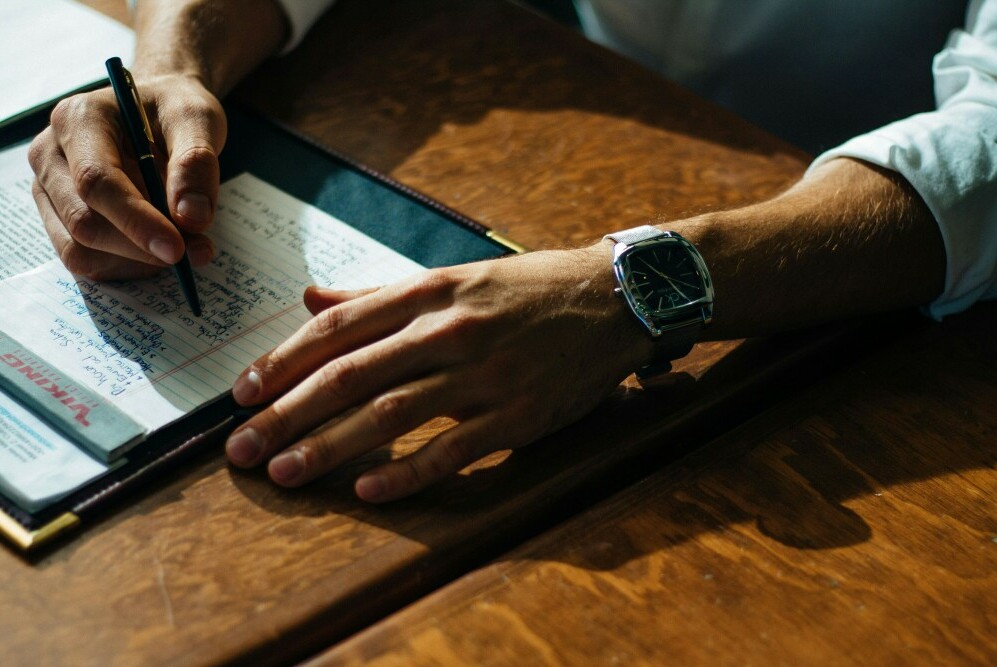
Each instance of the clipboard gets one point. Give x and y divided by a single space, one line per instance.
401 218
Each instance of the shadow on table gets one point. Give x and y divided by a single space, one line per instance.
790 472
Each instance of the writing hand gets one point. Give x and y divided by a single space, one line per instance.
511 349
89 190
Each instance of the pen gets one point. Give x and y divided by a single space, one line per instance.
138 130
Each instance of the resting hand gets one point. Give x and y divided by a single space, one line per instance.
511 349
89 190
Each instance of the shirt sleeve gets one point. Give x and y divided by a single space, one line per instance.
301 16
950 157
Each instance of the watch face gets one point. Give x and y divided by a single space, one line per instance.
661 277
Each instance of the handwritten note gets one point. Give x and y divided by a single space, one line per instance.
137 345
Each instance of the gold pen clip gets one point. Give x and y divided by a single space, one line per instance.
138 102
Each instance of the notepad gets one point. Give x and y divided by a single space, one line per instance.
135 345
70 56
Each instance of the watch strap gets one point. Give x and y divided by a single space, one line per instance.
635 235
677 344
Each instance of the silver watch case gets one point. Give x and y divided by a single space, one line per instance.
658 322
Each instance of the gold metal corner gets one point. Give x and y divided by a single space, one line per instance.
511 245
26 539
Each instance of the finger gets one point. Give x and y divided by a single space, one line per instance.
95 166
318 299
81 260
200 249
443 456
331 333
340 384
86 227
195 135
377 423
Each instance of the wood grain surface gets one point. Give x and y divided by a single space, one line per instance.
855 524
517 121
520 124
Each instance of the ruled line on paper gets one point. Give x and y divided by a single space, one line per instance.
136 343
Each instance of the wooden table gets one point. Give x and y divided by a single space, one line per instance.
853 524
548 139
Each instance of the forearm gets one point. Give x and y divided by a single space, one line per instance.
850 239
216 42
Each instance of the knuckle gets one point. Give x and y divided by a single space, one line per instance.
78 260
88 177
82 224
459 330
501 377
320 457
62 112
430 285
455 453
465 323
196 158
391 412
274 422
38 150
412 475
73 109
446 456
340 380
329 322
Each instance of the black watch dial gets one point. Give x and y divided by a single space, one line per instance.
662 277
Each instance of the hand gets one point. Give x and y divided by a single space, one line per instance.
511 349
89 190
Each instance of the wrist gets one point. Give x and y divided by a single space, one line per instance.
594 281
847 240
215 43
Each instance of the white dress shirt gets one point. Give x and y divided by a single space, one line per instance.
817 72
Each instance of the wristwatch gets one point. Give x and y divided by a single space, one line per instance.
667 286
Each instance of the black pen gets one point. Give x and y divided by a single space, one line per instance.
138 130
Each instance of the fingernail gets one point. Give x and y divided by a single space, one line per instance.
195 207
287 468
247 387
245 447
163 250
200 253
371 487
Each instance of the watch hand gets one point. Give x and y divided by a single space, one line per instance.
675 287
670 281
682 282
652 268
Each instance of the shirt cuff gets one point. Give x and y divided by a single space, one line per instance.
301 16
948 156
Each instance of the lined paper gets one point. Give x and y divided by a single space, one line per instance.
137 345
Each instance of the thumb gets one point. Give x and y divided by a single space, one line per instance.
194 138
